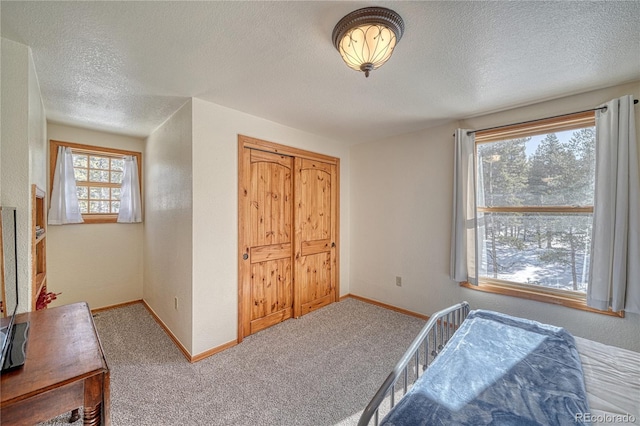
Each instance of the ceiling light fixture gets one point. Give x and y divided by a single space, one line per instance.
366 37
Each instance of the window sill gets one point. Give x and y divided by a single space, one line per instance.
564 299
103 218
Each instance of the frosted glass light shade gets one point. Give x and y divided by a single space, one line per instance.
367 47
366 37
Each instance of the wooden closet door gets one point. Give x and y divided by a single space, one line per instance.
266 238
315 221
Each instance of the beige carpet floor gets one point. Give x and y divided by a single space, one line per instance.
321 369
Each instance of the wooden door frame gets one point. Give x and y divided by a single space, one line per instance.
262 145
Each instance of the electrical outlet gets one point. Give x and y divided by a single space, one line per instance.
399 281
175 303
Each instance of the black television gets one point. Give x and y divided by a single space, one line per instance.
13 337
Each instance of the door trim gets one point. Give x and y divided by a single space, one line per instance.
249 142
262 145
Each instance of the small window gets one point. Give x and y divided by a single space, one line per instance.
98 172
535 195
98 179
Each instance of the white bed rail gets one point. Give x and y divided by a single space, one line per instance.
430 341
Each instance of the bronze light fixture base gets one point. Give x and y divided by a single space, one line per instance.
366 37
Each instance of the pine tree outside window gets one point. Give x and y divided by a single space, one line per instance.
537 204
535 192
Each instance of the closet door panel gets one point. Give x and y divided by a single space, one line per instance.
271 293
314 278
266 207
315 233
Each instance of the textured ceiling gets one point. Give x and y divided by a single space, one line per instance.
125 67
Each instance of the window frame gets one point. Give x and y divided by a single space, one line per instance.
90 218
568 298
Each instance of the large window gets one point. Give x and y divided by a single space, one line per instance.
535 191
549 210
98 172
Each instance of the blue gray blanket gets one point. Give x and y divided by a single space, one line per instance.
498 370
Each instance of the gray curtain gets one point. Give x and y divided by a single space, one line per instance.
615 247
464 233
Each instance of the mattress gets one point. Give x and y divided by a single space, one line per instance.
499 370
612 382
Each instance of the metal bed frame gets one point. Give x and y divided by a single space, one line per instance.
434 335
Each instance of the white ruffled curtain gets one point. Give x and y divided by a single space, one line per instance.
615 246
465 248
130 203
64 196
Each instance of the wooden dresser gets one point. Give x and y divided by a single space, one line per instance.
65 369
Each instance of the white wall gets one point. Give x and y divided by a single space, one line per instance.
99 263
168 257
215 212
400 217
37 131
401 196
22 145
